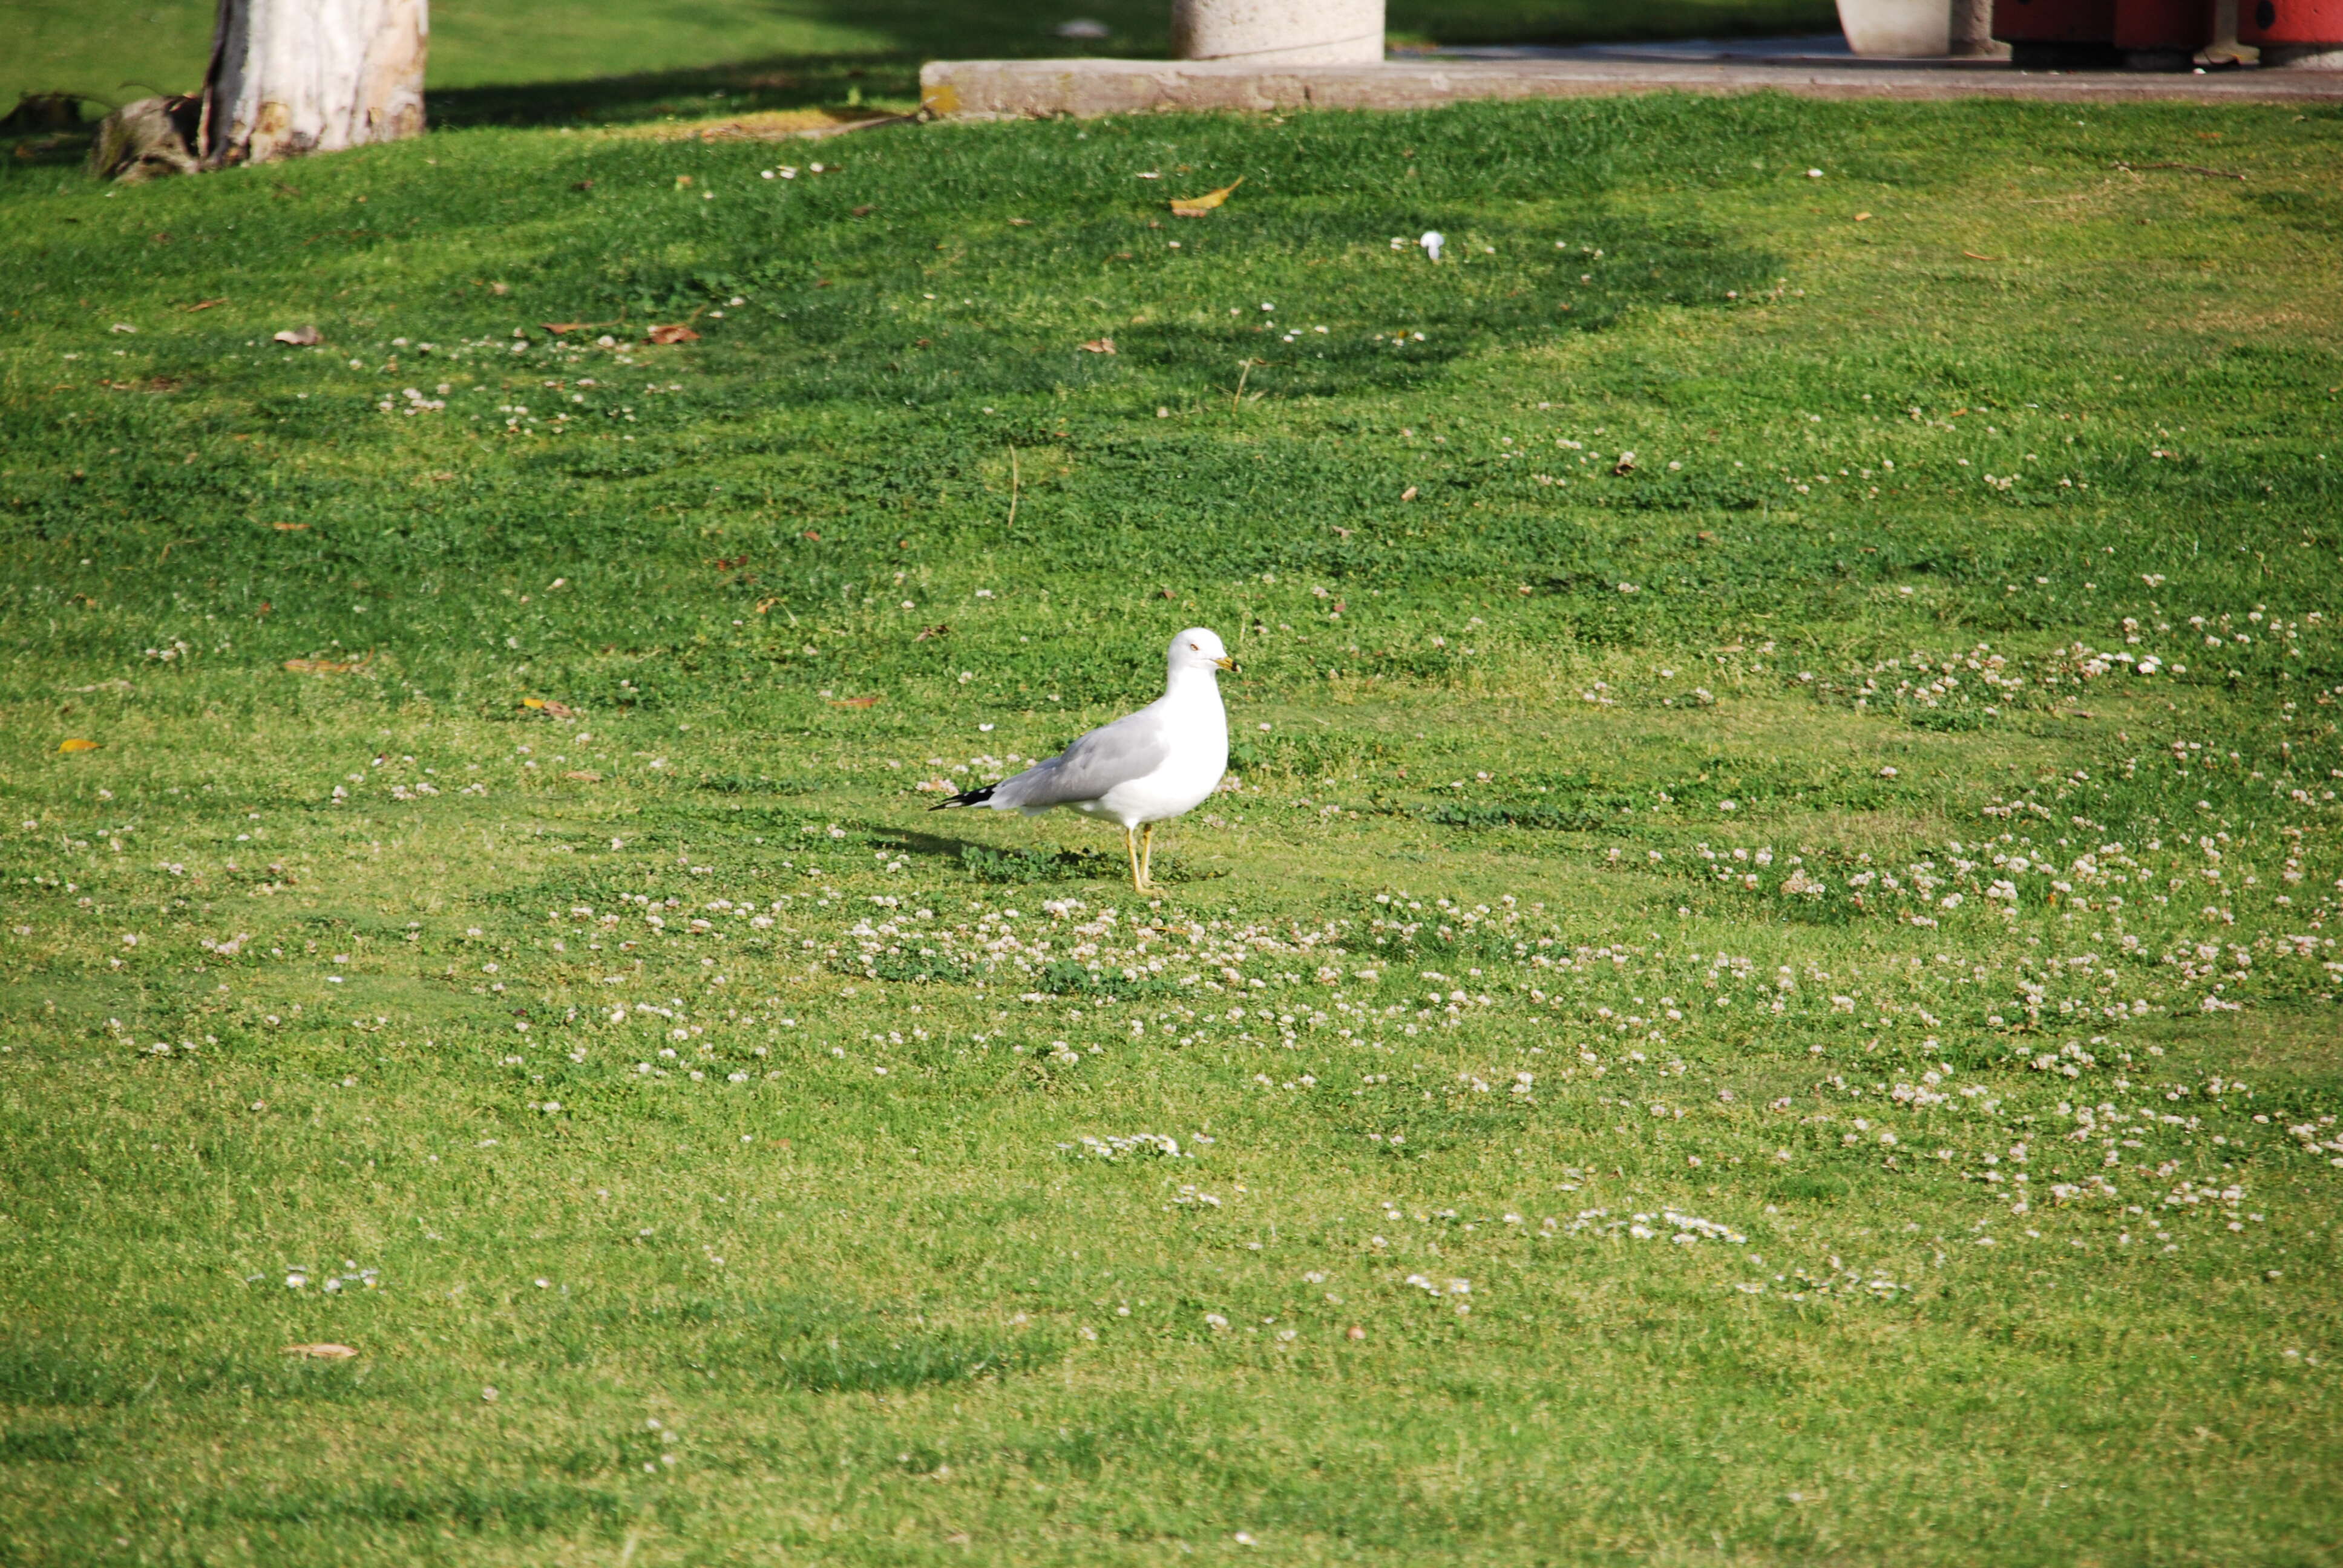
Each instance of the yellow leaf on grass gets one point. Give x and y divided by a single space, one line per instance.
324 665
1197 206
558 709
79 745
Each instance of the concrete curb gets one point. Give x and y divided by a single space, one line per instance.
1020 89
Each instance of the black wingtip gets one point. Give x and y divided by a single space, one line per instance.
970 798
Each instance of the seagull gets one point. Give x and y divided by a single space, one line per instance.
1160 762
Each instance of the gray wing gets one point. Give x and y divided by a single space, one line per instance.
1131 748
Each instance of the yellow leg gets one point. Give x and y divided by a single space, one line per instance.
1147 858
1131 851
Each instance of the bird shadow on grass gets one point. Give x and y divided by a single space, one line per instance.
1015 867
985 863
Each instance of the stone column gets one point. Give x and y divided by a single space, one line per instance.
1972 30
1279 32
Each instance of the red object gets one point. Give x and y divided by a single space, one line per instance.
2165 25
2263 22
2055 21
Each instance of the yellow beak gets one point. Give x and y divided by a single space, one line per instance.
1226 663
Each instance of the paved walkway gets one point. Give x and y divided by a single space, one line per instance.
1818 68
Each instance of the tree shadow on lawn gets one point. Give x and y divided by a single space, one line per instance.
902 34
1372 318
836 84
914 31
855 83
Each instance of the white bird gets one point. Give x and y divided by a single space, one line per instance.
1160 762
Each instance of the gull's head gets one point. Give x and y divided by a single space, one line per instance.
1199 647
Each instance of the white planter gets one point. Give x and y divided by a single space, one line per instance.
1279 32
1905 29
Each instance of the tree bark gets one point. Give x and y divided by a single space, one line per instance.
291 78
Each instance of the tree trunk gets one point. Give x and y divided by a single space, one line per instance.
291 78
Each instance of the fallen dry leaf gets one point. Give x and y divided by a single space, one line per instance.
764 604
854 702
584 776
1099 345
1021 223
558 327
323 1352
1625 465
79 745
673 333
205 304
289 527
1975 257
1408 493
1197 206
863 211
929 632
553 708
300 337
1863 218
322 666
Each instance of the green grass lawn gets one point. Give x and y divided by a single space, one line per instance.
1819 935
